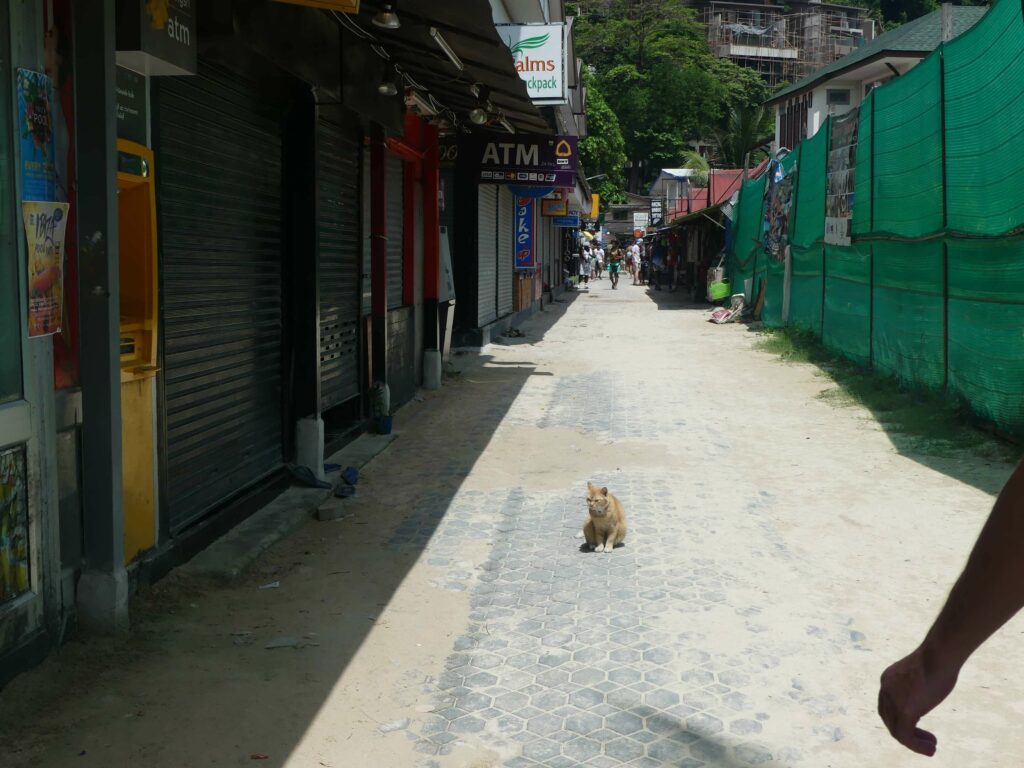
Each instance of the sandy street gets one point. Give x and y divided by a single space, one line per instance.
782 551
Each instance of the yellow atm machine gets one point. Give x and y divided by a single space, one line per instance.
137 215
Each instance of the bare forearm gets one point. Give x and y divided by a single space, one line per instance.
991 588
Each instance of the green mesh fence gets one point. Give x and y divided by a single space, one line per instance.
907 337
984 78
748 233
846 326
806 251
907 144
931 292
986 328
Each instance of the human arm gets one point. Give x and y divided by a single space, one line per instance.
988 593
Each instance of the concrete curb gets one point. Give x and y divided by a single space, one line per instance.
228 557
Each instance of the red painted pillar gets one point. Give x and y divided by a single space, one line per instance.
378 255
431 236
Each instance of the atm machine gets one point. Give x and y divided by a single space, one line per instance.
136 190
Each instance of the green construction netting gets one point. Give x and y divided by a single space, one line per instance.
986 328
805 288
748 233
908 323
774 272
907 143
847 320
984 79
862 172
885 300
809 218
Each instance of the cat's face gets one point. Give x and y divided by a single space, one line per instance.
597 500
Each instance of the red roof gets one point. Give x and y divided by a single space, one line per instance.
722 183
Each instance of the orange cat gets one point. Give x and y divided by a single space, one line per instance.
606 527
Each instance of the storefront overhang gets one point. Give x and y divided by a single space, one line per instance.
454 52
712 214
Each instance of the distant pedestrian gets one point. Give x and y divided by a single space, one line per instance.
600 262
585 267
616 258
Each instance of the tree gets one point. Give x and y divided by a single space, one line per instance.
653 65
603 150
747 131
700 166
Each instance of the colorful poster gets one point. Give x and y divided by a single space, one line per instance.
525 257
45 225
777 204
14 549
842 161
35 132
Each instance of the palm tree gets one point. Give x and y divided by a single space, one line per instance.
747 131
700 166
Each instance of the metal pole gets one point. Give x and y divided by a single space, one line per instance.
378 253
103 586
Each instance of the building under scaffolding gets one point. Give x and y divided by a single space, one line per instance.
784 43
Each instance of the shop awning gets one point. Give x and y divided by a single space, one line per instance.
712 213
467 28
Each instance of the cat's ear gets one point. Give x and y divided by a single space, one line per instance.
604 491
590 486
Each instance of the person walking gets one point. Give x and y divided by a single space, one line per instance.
586 267
600 262
615 259
657 265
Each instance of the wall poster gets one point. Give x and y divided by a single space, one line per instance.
45 225
14 549
35 135
842 161
778 201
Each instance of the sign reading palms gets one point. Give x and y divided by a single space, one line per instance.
529 43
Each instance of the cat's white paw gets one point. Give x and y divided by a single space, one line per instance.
600 548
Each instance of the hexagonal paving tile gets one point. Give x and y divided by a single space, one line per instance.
661 699
511 701
667 751
541 750
624 698
544 725
624 637
658 655
624 749
703 724
554 657
624 675
700 699
552 678
587 676
581 749
586 698
481 680
549 700
472 702
624 723
583 723
624 655
467 724
708 751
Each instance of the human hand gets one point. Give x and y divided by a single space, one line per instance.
910 689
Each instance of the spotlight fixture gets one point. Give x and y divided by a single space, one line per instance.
419 104
388 85
478 114
448 51
387 18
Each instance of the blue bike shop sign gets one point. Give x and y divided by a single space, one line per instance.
525 257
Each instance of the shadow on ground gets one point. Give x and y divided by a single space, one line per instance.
921 425
195 684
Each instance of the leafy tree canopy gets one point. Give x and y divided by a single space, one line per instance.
650 61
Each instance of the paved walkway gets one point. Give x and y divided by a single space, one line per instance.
781 552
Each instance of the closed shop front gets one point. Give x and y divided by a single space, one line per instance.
506 246
219 197
487 254
338 153
401 327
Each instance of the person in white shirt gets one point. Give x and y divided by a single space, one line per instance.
600 263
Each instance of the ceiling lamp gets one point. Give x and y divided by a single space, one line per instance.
387 19
388 86
478 115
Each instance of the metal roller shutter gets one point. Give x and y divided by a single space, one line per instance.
506 250
396 229
338 152
487 256
220 212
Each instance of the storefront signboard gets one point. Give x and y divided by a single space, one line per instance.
572 221
157 37
132 117
538 51
525 159
524 250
